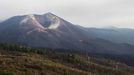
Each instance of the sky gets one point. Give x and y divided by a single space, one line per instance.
88 13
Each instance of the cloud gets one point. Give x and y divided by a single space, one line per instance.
83 12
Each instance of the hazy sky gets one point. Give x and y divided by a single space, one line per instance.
89 13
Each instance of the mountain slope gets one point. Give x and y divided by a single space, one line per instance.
45 30
18 60
118 35
51 31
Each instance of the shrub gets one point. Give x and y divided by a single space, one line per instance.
6 73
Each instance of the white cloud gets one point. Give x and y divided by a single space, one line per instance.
83 12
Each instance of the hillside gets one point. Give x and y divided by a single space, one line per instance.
51 31
21 60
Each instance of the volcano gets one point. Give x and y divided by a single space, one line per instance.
51 31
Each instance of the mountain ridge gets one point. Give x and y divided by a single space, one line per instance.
51 31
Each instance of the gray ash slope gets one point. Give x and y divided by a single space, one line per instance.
51 31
